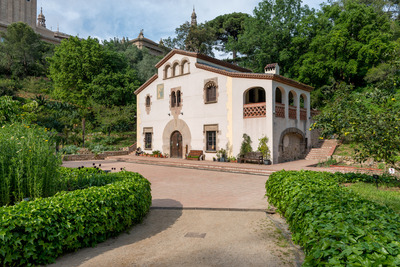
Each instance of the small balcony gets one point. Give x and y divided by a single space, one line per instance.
254 110
279 110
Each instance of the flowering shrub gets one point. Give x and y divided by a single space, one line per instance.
28 164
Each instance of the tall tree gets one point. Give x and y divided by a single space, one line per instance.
85 72
227 28
268 35
22 53
194 38
350 39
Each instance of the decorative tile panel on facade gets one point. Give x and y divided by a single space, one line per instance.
196 102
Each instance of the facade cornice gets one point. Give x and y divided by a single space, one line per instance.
203 57
149 81
261 76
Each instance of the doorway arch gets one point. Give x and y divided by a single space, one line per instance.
176 146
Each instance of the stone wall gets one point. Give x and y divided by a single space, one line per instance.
91 156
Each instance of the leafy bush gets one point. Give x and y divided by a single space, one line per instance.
335 226
71 149
36 232
28 165
246 145
384 179
8 87
81 178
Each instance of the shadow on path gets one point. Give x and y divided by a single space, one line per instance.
155 222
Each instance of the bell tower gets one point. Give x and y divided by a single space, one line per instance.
41 20
194 18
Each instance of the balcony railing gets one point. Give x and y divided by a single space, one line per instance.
303 114
292 113
255 110
279 110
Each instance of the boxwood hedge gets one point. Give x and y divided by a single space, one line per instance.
335 226
36 232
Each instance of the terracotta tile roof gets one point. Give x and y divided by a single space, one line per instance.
203 57
262 76
149 81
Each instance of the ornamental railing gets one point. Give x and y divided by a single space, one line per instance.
292 113
279 110
255 110
303 114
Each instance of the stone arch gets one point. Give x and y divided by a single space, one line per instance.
279 95
292 145
303 101
292 98
167 71
180 126
185 66
176 68
254 95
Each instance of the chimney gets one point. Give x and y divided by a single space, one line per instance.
272 68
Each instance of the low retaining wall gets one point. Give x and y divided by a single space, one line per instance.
105 154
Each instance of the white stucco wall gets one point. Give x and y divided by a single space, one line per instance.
227 112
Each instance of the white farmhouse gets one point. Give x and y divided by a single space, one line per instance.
196 102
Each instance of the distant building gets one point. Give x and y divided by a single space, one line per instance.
153 47
12 11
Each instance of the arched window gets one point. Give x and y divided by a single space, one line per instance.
185 67
173 99
167 71
302 101
148 101
211 93
175 69
278 95
178 98
254 103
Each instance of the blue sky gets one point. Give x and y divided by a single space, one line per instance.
107 19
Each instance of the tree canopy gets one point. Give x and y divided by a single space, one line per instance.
22 53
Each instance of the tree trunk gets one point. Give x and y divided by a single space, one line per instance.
83 132
234 54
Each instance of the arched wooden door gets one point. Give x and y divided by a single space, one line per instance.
176 145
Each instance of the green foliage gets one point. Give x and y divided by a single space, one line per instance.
69 150
194 38
263 147
350 38
227 29
36 232
383 196
268 36
371 119
246 145
28 165
335 226
9 110
22 53
8 87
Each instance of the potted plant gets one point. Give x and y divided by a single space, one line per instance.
264 150
222 155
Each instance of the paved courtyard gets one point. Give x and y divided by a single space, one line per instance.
199 217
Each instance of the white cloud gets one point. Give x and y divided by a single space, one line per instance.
119 18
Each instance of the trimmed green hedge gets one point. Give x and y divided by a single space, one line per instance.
335 226
36 232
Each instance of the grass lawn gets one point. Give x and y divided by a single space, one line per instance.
389 196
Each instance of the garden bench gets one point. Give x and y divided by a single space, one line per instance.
252 157
195 155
